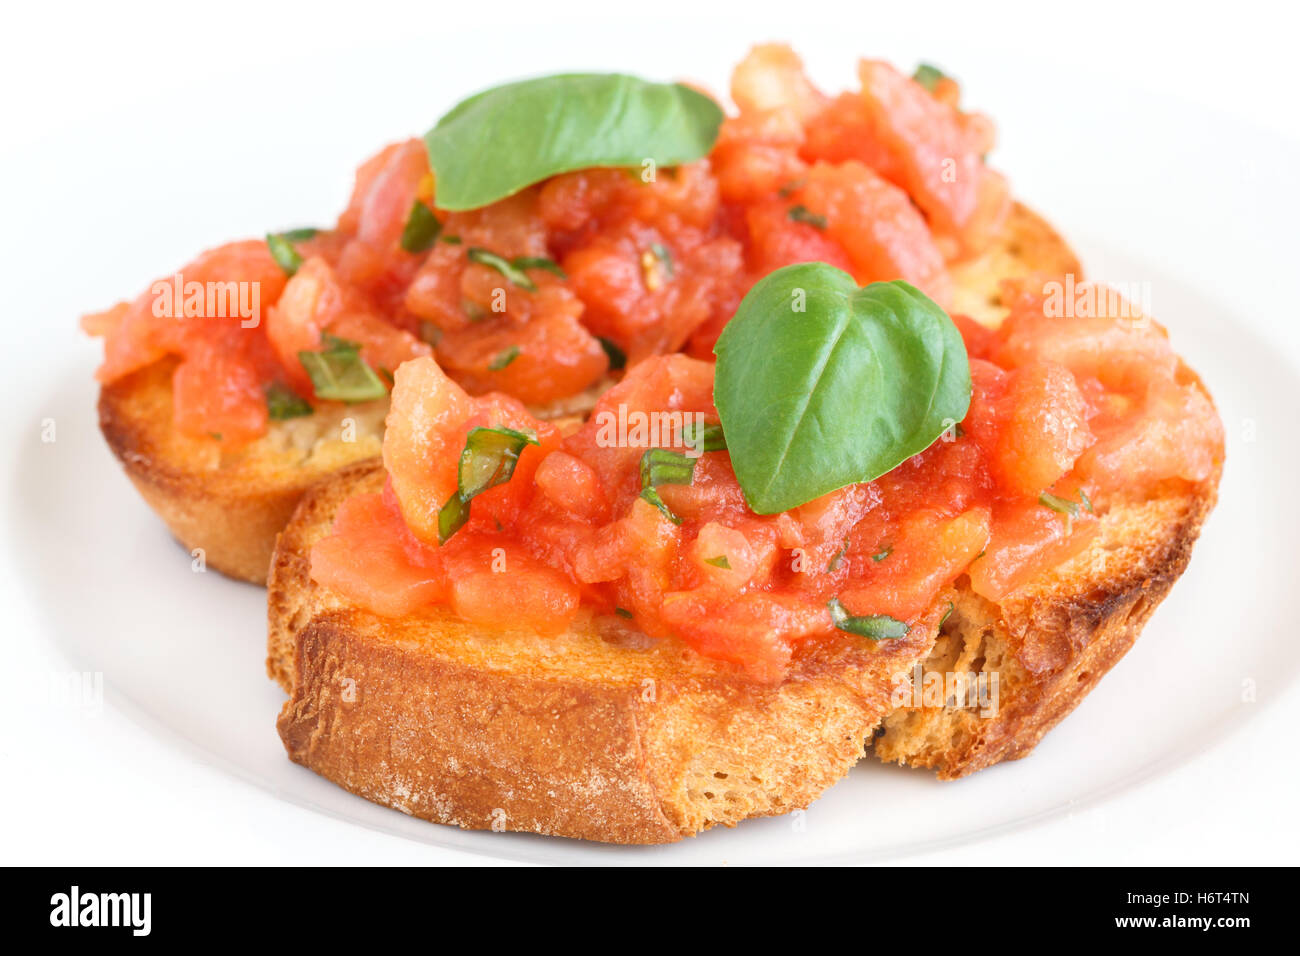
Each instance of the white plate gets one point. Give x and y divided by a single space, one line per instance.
182 653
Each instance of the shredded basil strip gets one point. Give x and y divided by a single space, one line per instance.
539 262
302 234
623 612
883 553
928 76
708 438
876 627
488 460
617 357
513 275
665 257
659 466
947 614
719 562
1064 505
804 215
504 358
421 229
283 403
283 252
338 372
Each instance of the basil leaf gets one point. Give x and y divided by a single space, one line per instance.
488 460
283 403
499 141
339 373
821 384
659 466
708 438
1062 505
515 276
504 358
805 215
617 357
538 262
876 627
299 235
283 252
719 562
883 553
421 229
928 76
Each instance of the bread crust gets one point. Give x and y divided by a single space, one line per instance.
230 505
569 736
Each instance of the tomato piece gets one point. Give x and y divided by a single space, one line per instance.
777 241
497 586
425 432
877 225
367 557
1027 539
1043 429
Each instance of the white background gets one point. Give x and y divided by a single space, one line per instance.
100 102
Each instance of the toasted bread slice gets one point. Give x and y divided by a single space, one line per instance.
232 504
570 735
228 504
1047 644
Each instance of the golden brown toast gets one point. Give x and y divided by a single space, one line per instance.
232 504
1049 642
573 735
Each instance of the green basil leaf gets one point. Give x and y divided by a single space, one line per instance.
719 562
805 215
928 76
452 517
883 553
617 357
299 235
514 276
659 466
538 262
504 358
876 627
339 373
652 496
283 252
489 458
283 403
708 438
421 229
821 384
507 138
1062 505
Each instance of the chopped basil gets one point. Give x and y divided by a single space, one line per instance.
473 311
802 214
623 612
790 188
538 262
883 553
504 358
947 614
617 357
876 627
421 229
928 76
514 276
451 240
488 460
1064 505
1087 502
659 466
338 372
283 252
300 235
708 438
282 403
665 257
719 562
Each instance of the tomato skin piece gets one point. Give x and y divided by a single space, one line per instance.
877 226
367 558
